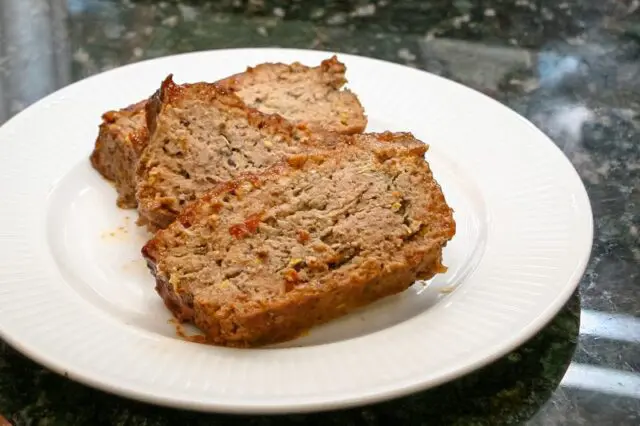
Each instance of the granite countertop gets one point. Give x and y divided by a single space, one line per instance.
572 67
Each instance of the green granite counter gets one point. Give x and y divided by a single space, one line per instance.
572 67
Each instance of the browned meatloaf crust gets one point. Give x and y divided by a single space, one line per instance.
306 95
266 257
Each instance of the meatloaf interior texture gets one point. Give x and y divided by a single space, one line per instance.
301 94
267 256
312 96
201 135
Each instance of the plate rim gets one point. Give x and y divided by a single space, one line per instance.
364 397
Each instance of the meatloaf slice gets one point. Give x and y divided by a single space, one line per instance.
266 257
201 135
302 94
310 95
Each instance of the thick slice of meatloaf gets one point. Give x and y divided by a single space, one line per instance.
301 94
201 135
266 257
310 95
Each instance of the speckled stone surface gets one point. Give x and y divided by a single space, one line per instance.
572 67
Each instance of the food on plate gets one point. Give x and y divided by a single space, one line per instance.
266 256
201 135
122 138
312 96
274 212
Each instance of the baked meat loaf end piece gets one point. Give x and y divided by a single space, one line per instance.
266 257
301 94
121 139
310 95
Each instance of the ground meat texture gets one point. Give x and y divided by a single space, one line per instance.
373 221
310 96
202 135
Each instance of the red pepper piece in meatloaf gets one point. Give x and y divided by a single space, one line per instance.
304 95
266 257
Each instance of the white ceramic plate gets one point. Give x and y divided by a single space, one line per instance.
76 296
